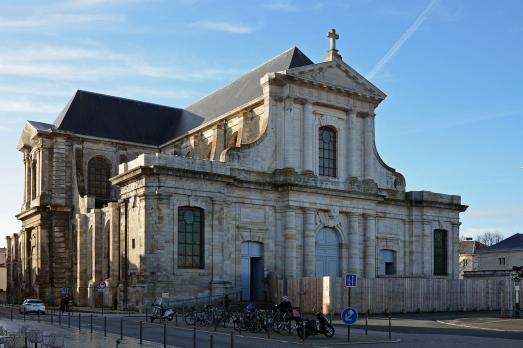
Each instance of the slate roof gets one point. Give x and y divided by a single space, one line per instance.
470 246
41 126
513 242
247 87
123 119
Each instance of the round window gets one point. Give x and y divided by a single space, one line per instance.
188 216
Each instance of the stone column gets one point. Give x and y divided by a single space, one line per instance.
27 179
288 154
427 249
352 153
290 243
354 244
370 246
309 244
308 124
369 147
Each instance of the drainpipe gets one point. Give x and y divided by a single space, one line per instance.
212 249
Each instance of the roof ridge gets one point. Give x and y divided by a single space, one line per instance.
246 73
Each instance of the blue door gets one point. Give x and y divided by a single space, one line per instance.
251 271
327 253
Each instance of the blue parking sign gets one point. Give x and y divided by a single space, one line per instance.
351 280
64 291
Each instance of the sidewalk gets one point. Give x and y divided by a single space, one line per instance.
75 339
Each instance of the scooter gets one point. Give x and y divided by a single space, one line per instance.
161 312
315 327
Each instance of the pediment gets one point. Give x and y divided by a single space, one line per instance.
337 74
30 130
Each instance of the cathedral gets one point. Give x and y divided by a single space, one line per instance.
276 173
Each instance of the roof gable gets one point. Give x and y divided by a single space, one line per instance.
338 74
104 116
247 87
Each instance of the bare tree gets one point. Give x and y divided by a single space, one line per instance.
490 238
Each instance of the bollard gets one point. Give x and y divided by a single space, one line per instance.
303 331
121 328
176 319
91 322
164 335
194 337
79 322
211 343
390 332
268 328
141 332
232 339
366 323
105 326
60 318
145 314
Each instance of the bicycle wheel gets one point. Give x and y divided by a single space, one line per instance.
189 318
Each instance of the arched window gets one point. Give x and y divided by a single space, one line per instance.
327 151
190 238
440 252
387 262
99 172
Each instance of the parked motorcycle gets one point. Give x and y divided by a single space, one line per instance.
161 312
315 327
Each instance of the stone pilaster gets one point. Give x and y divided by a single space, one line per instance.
309 242
290 243
308 124
369 147
354 244
289 157
370 246
27 180
427 249
454 254
352 151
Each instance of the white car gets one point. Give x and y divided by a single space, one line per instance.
32 305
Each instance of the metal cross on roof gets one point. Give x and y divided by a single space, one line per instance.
333 37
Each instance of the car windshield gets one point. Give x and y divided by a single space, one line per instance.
34 301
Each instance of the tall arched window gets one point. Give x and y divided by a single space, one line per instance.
440 252
190 238
99 172
327 151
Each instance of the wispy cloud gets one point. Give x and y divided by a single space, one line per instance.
224 26
283 6
23 104
56 20
401 41
498 212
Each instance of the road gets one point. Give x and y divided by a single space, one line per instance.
478 329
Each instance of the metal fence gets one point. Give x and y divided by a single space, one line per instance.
401 295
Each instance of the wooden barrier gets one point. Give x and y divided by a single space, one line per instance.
400 295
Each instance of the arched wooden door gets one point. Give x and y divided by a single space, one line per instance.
327 253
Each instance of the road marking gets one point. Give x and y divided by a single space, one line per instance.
474 327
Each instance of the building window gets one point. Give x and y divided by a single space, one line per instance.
387 262
99 170
440 252
501 260
190 237
133 243
327 155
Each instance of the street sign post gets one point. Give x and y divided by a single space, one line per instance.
351 281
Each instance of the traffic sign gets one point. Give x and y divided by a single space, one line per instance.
349 315
102 286
351 280
64 291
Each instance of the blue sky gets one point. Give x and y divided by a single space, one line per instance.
452 70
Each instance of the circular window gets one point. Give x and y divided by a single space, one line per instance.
188 216
326 137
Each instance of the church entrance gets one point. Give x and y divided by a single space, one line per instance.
251 272
327 253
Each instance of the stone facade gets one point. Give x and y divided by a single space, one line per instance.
254 173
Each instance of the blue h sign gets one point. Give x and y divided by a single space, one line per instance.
351 280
